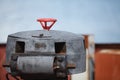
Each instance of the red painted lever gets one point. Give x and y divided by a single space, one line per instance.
43 22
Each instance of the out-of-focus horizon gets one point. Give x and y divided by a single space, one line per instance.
98 17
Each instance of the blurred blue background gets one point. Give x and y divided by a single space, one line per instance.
98 17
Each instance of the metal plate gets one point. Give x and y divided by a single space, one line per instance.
35 64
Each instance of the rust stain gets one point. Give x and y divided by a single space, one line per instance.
3 72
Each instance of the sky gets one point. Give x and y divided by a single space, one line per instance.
98 17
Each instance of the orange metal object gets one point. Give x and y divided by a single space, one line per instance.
44 21
107 66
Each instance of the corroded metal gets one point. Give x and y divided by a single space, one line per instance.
45 53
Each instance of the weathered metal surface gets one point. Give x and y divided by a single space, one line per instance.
66 52
35 64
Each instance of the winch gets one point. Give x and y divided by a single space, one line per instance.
45 54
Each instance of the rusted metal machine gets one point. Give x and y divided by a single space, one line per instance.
45 54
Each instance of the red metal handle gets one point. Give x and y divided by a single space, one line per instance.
43 22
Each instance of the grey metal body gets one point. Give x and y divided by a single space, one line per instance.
26 49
